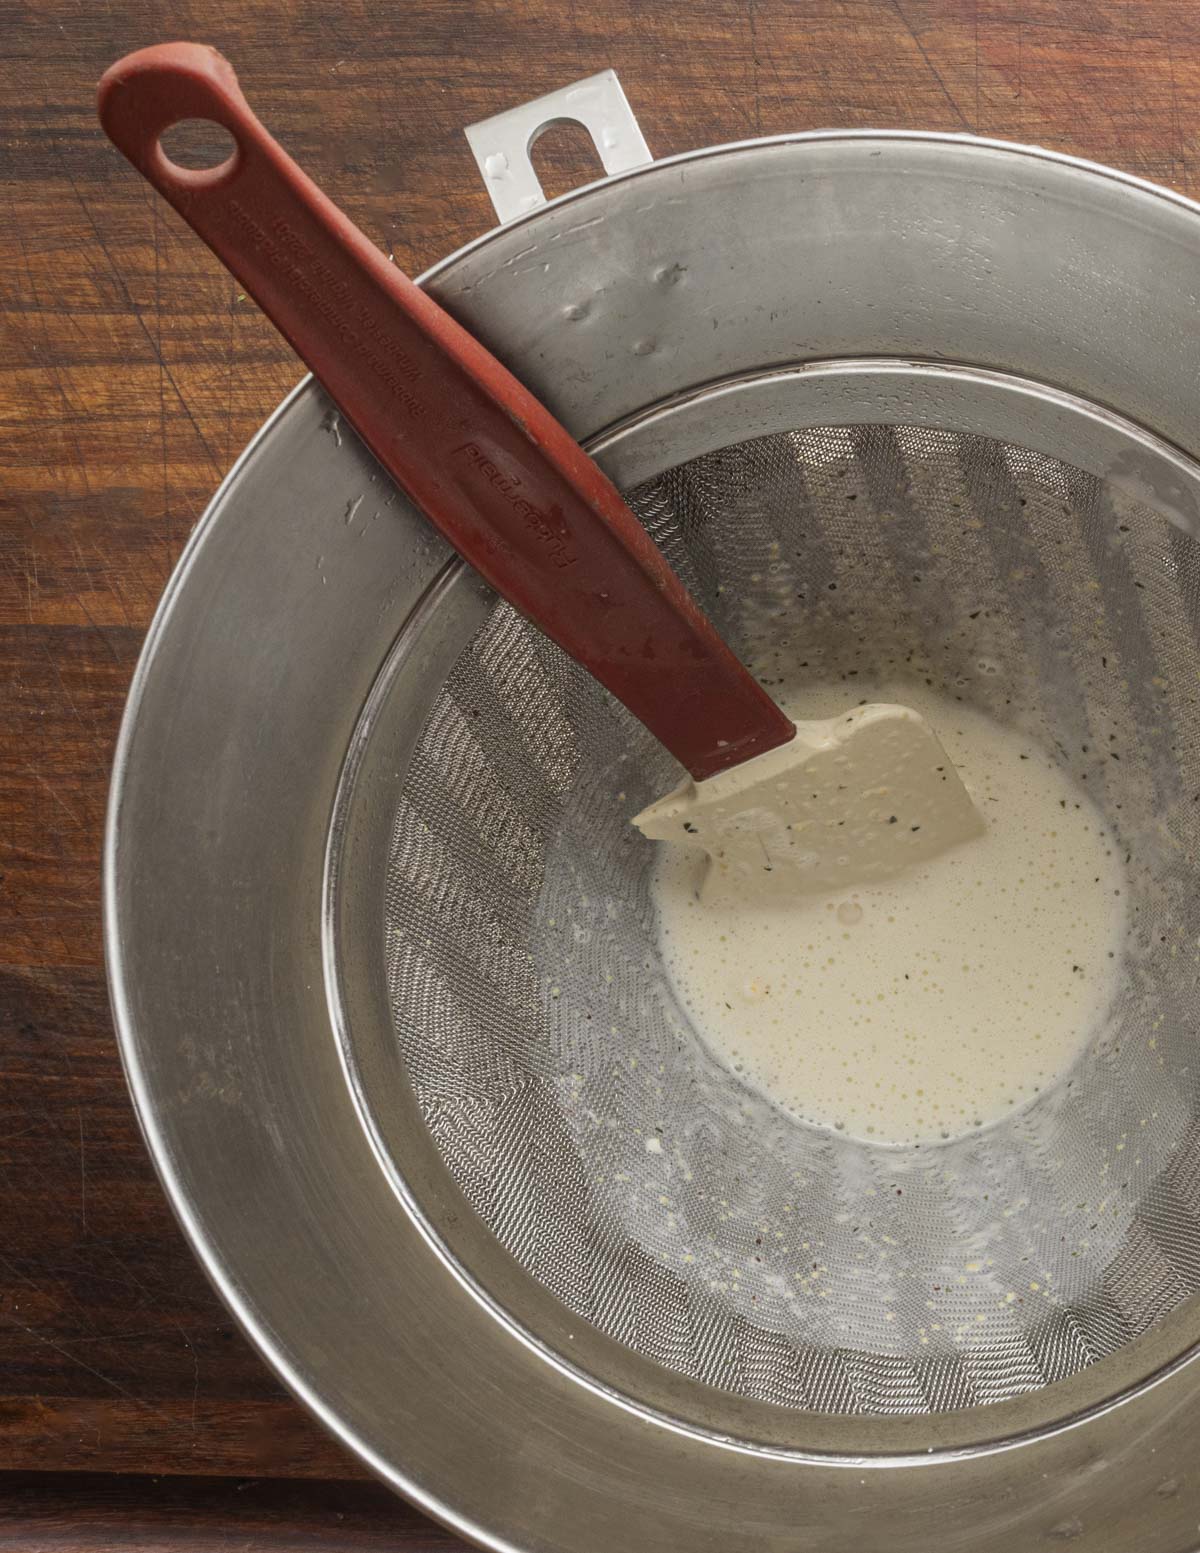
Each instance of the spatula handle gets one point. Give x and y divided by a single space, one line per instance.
504 482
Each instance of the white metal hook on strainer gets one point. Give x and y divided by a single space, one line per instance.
501 144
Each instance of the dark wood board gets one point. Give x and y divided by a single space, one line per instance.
132 372
107 1513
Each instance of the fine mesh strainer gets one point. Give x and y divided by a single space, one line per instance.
546 1047
382 943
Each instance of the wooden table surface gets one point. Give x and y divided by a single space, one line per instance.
131 374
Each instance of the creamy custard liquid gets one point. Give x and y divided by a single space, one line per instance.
933 1004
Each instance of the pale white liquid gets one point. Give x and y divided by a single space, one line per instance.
935 1003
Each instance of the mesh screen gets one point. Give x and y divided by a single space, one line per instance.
546 1047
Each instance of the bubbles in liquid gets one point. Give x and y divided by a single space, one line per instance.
932 1004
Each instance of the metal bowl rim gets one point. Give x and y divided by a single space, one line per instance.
221 1276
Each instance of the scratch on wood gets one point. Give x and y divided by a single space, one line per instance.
975 19
155 343
933 70
56 795
754 67
124 1391
82 1175
195 1372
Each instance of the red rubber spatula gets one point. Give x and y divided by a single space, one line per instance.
505 483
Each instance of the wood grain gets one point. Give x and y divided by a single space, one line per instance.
133 372
44 1513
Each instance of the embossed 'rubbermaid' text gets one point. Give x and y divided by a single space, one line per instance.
509 487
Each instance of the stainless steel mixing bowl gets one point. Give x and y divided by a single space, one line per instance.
975 295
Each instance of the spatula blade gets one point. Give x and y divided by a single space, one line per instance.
852 800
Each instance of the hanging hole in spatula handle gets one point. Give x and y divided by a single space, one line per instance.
198 145
485 461
150 93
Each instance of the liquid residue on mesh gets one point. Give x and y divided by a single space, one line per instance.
634 1176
